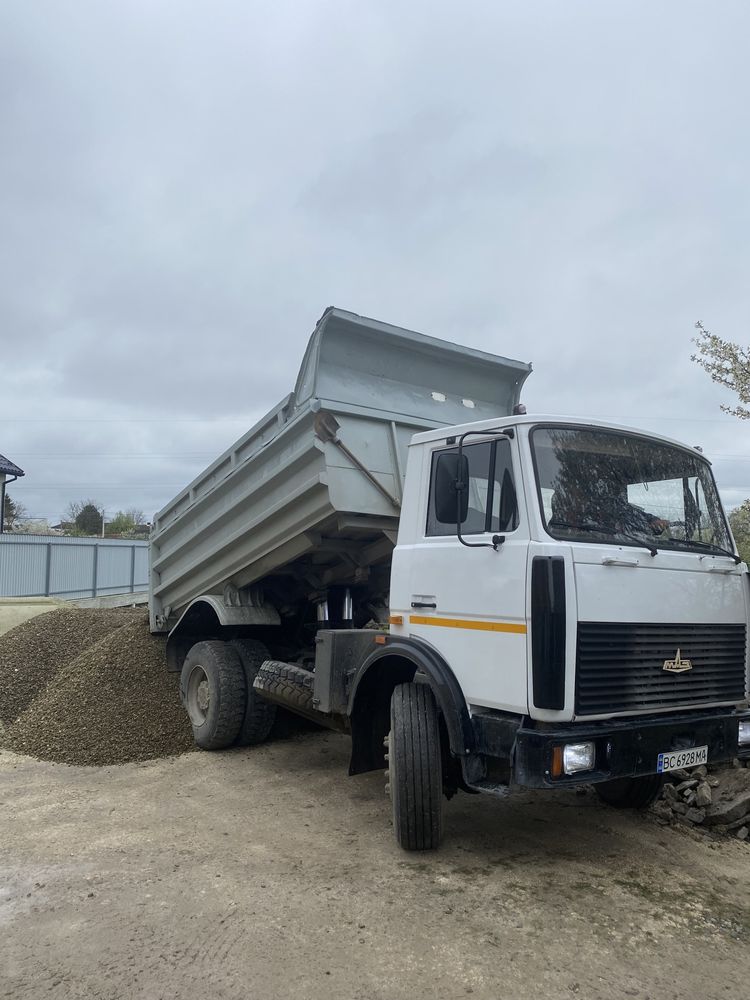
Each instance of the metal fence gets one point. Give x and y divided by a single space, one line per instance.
71 568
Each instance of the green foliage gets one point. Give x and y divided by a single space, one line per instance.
728 364
121 524
89 520
739 522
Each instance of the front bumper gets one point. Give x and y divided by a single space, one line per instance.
624 748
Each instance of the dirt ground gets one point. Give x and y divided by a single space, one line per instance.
268 873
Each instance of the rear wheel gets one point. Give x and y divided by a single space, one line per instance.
213 691
630 793
259 714
415 768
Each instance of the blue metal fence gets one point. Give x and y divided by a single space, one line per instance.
71 568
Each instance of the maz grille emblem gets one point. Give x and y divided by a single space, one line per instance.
677 665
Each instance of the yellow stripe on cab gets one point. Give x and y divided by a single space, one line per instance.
479 626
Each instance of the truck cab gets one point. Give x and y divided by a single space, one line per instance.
581 583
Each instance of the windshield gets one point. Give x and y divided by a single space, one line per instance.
608 486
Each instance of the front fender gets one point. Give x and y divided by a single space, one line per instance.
415 656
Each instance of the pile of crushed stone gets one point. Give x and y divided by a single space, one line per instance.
713 800
89 687
31 654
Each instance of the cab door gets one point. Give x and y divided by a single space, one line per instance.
468 598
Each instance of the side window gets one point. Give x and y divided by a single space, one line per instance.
492 502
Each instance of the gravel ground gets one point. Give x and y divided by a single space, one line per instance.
111 703
267 874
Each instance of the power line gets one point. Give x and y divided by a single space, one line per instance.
211 454
238 420
102 486
123 420
685 420
113 454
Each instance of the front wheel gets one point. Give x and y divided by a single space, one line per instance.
415 768
630 793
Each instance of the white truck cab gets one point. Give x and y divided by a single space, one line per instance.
611 549
581 582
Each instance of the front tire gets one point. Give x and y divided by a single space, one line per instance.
415 768
630 793
214 693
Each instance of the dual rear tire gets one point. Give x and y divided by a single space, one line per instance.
216 687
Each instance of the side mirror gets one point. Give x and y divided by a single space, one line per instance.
451 489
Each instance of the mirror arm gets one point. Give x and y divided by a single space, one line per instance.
497 540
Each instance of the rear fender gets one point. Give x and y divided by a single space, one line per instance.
207 617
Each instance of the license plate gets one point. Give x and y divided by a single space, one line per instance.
676 759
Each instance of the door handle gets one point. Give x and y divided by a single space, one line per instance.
419 604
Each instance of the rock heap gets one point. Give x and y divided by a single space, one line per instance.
715 799
89 687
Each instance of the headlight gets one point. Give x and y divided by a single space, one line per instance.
578 757
743 737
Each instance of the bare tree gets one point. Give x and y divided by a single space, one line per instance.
728 364
73 509
14 513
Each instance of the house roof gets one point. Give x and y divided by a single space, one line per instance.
9 468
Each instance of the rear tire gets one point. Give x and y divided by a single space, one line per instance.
259 714
213 691
630 793
415 768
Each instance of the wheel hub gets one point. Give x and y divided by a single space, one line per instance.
198 699
203 696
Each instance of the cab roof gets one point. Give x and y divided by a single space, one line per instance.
529 420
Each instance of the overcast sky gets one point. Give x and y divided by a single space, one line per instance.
184 187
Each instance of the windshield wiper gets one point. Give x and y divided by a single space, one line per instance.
603 529
694 542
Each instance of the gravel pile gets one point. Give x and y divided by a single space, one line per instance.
32 653
111 702
717 801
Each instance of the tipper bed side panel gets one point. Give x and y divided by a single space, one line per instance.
287 485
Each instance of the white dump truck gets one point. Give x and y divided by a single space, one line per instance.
482 598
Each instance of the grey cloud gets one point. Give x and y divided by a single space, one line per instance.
182 191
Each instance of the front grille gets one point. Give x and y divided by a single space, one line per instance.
620 666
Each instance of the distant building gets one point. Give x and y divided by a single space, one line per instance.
7 469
